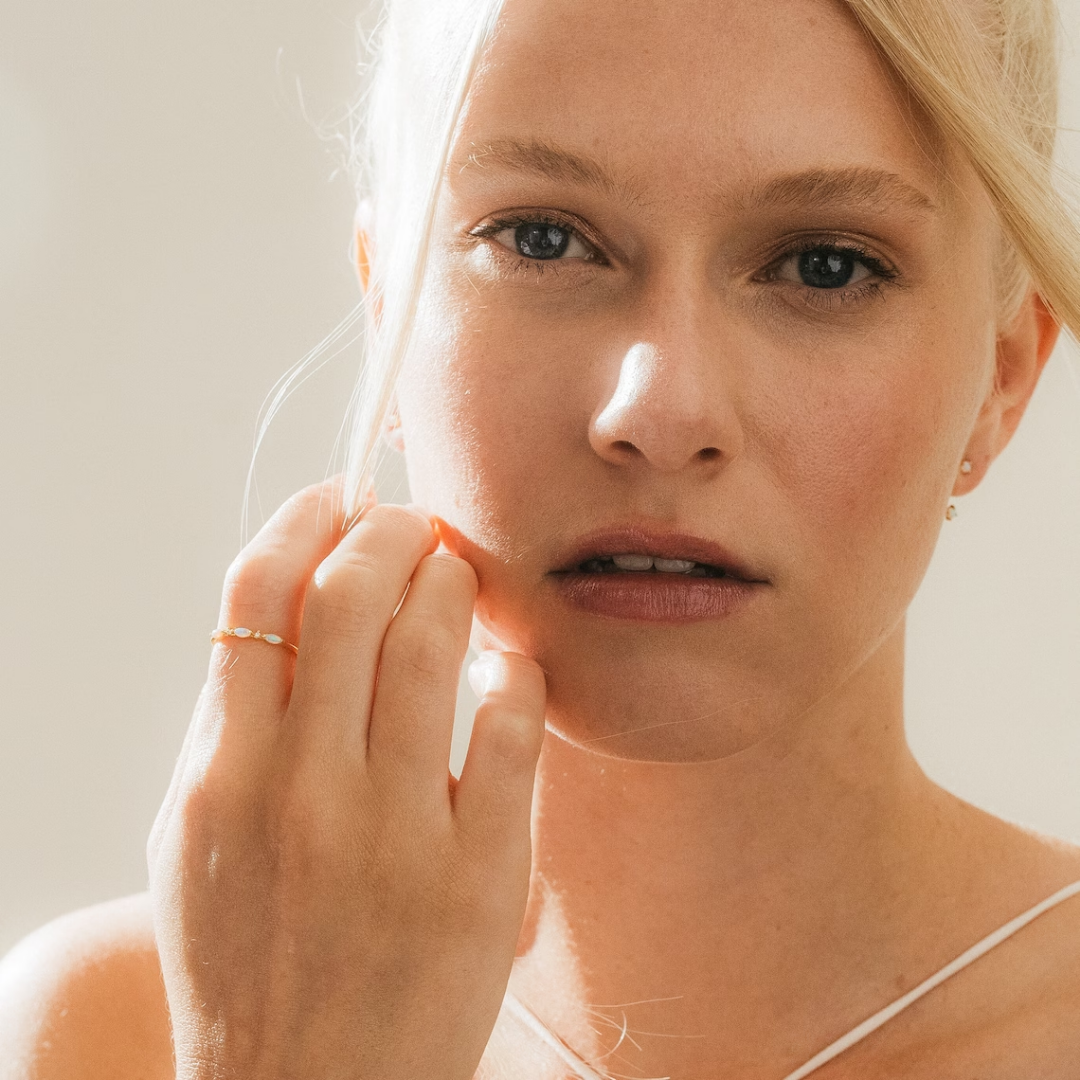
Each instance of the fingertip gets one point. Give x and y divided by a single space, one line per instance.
449 537
510 676
494 793
480 673
430 520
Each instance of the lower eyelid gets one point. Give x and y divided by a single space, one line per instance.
835 300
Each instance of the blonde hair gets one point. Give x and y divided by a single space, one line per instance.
984 71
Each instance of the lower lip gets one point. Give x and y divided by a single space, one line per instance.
653 597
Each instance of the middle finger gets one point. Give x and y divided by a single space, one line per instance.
350 602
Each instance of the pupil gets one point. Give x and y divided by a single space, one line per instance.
535 240
826 268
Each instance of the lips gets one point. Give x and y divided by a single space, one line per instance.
716 585
594 552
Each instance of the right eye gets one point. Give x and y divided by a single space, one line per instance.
542 240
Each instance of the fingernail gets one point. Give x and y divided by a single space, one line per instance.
483 672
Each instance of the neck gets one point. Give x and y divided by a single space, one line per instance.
726 895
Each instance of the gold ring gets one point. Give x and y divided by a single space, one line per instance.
256 635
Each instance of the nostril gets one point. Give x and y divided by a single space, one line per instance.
709 453
623 446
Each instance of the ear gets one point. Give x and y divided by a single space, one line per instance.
363 258
1022 352
364 254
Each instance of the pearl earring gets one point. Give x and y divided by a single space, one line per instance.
965 466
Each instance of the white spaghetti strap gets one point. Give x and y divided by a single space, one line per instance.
588 1072
867 1027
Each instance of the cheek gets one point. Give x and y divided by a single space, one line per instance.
485 417
867 456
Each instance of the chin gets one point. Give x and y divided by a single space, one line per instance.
636 721
633 703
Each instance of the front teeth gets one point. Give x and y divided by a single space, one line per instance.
674 566
609 564
634 562
647 562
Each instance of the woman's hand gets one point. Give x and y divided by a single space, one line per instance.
329 902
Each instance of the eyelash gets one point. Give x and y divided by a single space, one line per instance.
834 299
821 299
521 263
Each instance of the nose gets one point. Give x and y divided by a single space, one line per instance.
669 410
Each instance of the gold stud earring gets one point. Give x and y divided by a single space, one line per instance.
951 512
965 466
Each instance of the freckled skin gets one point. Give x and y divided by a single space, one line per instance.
751 862
832 437
731 829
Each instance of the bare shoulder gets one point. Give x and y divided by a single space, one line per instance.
1026 1016
82 999
1021 1002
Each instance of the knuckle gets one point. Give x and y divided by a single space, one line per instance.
346 584
429 650
253 575
514 739
209 799
313 496
320 505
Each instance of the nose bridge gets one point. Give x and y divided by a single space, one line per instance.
671 403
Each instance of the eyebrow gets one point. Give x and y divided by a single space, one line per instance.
549 162
866 187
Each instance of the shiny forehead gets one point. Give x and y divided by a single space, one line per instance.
789 96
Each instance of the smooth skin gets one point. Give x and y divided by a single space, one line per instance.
728 843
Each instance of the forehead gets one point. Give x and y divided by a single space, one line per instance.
716 92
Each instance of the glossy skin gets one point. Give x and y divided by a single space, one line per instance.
727 827
672 371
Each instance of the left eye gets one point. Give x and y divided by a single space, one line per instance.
824 268
542 240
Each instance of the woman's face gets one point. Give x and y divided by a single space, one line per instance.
701 283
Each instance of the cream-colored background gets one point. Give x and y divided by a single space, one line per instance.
173 235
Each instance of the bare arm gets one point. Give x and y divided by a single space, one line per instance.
82 999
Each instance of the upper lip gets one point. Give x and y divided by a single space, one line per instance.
637 540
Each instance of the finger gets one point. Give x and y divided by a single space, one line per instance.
412 717
348 606
250 680
493 798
